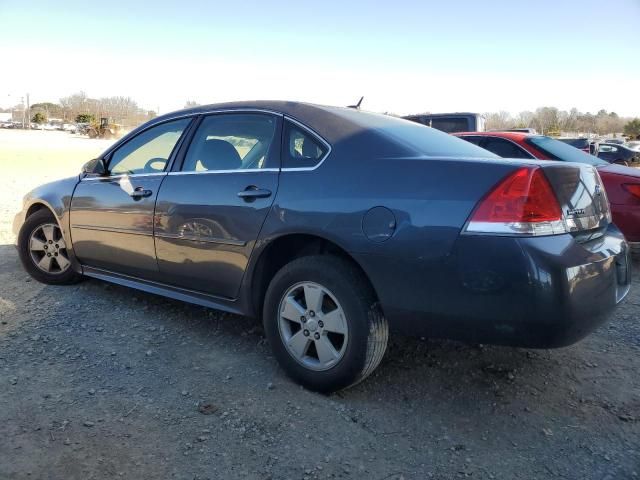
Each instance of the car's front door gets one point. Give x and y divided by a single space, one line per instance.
211 208
112 216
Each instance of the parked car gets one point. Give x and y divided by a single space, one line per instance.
69 127
634 145
450 122
332 225
615 141
616 153
580 143
621 183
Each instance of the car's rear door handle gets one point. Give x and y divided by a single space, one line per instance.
252 192
140 192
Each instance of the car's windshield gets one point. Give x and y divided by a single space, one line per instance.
561 151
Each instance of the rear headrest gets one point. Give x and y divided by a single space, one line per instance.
219 155
309 148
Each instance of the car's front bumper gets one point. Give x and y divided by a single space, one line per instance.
18 220
536 292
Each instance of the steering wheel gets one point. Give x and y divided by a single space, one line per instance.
159 164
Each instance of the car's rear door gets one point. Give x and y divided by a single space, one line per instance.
211 207
112 216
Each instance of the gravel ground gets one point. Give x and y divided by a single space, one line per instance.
100 381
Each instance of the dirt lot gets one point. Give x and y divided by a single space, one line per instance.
99 381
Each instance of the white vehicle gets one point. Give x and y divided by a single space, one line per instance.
635 145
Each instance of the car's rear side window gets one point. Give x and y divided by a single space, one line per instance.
302 149
504 148
472 139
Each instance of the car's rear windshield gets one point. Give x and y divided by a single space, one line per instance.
434 143
425 141
576 142
561 151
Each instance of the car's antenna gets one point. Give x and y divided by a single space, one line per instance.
357 105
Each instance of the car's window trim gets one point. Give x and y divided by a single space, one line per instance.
107 158
176 168
313 134
122 175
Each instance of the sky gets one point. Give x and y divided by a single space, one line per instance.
402 56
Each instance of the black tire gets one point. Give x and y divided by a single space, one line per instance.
39 218
367 327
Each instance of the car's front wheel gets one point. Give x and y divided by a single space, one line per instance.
323 322
43 250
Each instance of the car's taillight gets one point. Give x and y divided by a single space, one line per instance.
633 189
523 203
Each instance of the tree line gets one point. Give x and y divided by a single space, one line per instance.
79 107
553 121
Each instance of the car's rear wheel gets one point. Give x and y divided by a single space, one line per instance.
324 324
43 250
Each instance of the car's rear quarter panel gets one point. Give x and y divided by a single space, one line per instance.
431 199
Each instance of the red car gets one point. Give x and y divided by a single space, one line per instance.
621 183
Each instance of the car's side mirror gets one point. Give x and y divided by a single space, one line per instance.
96 167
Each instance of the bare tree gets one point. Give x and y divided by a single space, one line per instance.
499 120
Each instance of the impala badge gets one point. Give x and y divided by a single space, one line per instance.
576 212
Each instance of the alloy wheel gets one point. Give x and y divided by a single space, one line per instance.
48 249
313 326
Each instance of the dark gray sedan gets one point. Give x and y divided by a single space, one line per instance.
333 225
616 153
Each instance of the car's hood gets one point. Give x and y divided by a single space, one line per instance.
620 170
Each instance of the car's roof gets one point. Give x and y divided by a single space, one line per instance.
328 121
282 106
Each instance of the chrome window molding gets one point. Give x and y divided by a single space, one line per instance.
248 170
239 170
122 175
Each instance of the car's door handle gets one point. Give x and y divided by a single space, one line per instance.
140 192
252 192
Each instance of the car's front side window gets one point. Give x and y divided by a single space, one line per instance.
233 141
149 151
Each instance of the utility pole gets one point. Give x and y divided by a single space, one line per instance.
28 113
22 103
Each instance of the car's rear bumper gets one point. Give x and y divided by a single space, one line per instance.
537 292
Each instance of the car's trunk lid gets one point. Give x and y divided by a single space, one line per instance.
581 196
